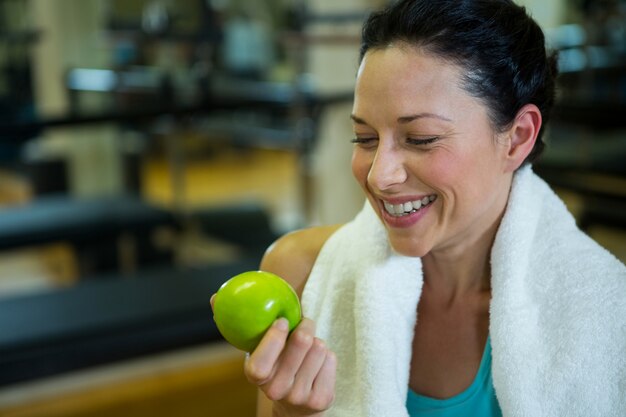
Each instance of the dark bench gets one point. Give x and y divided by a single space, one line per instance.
95 227
106 320
50 219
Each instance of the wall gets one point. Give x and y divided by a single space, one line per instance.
72 36
337 196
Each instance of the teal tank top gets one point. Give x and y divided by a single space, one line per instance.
478 400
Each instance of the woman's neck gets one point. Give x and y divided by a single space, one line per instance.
455 272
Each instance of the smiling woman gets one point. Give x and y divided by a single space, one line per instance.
463 287
442 147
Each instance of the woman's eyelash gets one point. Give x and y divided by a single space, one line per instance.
361 140
411 141
426 141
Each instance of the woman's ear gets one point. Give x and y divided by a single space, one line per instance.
522 135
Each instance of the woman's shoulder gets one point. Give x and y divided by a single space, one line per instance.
292 256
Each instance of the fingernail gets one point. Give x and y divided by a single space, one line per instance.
282 324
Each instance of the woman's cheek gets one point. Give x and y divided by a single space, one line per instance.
360 167
439 168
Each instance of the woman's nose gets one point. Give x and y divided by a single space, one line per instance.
387 170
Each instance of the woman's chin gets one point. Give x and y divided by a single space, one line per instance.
407 247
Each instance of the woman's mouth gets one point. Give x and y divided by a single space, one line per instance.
408 207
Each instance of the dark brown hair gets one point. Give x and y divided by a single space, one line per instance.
500 47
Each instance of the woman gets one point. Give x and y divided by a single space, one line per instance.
463 287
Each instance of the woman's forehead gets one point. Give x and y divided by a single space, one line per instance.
398 69
396 82
403 77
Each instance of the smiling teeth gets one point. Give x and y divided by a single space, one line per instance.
408 207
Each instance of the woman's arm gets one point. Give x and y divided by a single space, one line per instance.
292 256
297 372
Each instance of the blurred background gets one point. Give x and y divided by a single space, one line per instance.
151 149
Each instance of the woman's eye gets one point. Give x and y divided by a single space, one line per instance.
364 141
421 142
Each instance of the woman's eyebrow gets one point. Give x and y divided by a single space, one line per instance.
357 120
412 117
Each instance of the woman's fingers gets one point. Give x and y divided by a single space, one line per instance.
212 301
260 364
301 390
297 349
296 371
323 390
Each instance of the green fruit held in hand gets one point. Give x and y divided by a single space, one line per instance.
247 305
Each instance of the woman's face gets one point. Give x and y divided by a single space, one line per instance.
425 153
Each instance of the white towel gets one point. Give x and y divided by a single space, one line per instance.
557 319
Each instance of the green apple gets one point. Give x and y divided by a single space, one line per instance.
246 305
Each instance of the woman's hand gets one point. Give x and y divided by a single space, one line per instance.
296 371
